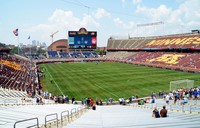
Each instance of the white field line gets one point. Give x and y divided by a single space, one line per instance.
54 81
107 90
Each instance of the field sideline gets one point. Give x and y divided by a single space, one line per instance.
108 79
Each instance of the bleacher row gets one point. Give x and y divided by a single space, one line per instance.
7 93
176 41
57 54
127 44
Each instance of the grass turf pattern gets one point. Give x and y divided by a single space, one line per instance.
108 79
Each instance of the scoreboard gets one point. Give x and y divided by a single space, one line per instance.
82 39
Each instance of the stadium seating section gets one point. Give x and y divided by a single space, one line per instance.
33 56
179 41
64 55
179 52
57 54
175 42
53 54
18 74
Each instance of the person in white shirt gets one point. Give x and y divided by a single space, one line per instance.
167 99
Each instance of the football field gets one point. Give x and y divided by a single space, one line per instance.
108 79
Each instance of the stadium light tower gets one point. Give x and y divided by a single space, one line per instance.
150 24
52 35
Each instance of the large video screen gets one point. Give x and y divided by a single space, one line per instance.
82 39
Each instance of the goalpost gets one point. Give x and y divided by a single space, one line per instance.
174 85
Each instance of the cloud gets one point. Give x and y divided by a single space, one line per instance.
154 13
118 22
100 13
63 21
66 18
137 1
185 17
187 12
123 1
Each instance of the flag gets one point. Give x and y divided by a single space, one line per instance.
15 32
29 37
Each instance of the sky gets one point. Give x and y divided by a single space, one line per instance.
117 18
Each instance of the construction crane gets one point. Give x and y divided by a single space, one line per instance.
52 35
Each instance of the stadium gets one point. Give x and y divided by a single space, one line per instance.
75 84
122 73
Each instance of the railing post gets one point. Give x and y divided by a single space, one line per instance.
51 119
28 120
73 112
63 116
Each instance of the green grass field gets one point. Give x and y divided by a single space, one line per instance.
105 80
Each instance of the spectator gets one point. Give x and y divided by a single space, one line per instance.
155 113
184 101
67 99
152 100
91 102
178 95
93 107
167 99
175 99
110 100
163 112
101 102
141 102
37 100
106 101
97 101
132 98
120 100
40 101
88 102
195 93
73 99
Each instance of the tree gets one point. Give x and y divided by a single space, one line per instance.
14 50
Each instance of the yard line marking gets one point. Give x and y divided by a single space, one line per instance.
107 91
54 81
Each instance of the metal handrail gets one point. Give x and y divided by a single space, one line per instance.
51 119
192 106
62 115
28 120
79 109
73 111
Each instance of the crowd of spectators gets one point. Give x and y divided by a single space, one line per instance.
179 96
19 74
